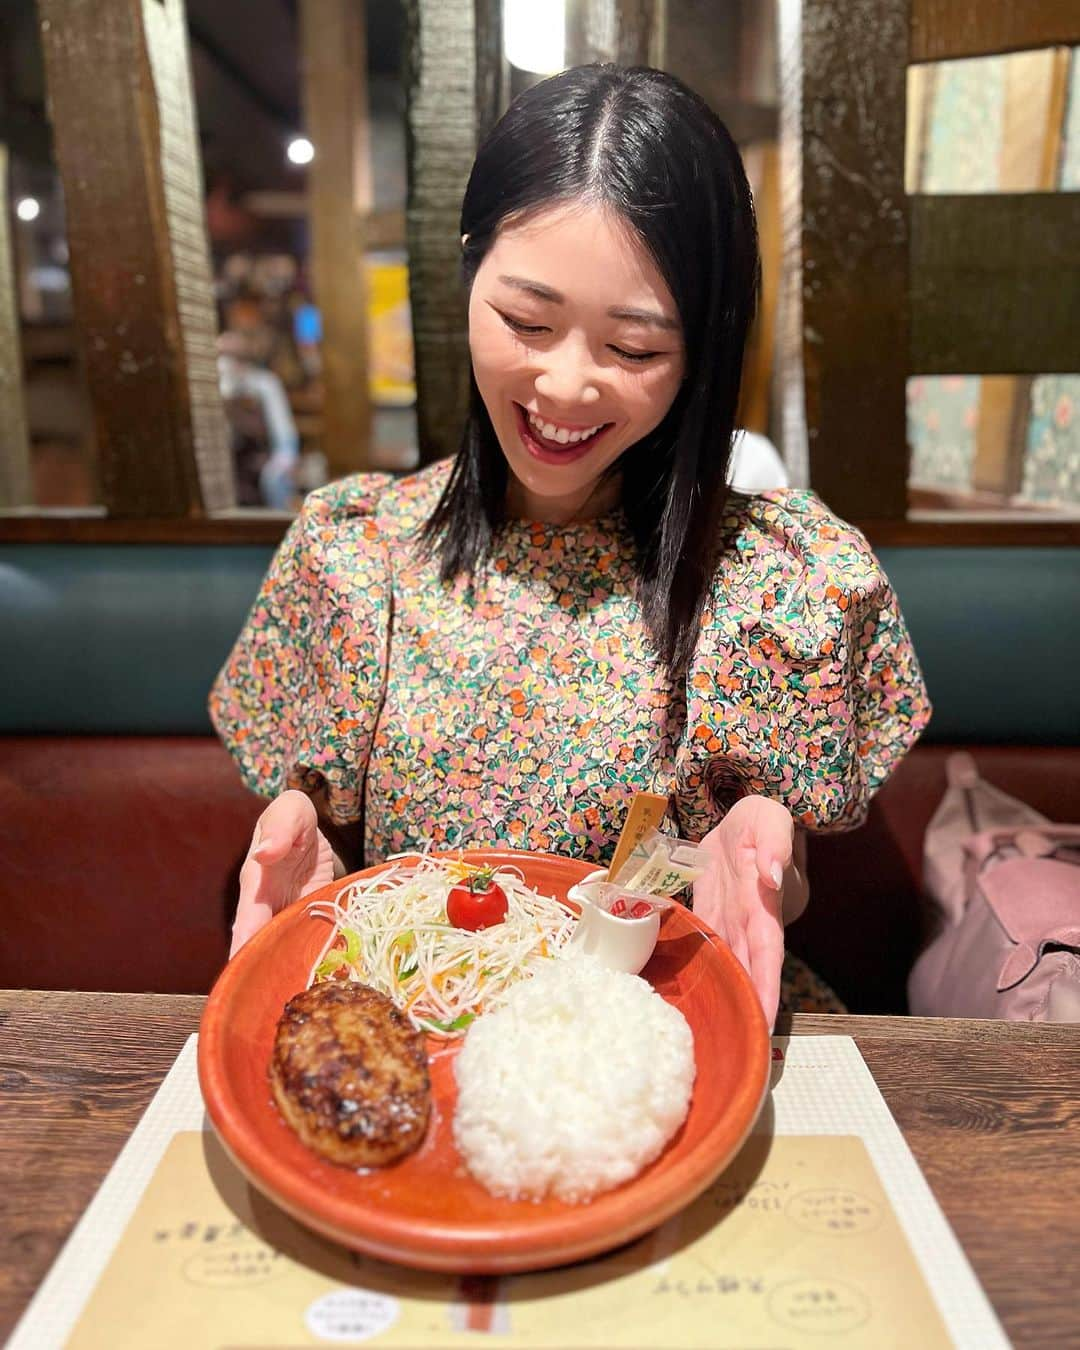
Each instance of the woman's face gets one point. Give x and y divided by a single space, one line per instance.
577 350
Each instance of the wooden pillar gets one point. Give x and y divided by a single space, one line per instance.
120 97
763 169
1036 95
15 489
855 253
628 32
788 386
492 71
336 109
445 98
704 49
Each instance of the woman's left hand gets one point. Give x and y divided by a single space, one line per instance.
741 895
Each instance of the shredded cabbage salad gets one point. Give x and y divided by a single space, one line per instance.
391 932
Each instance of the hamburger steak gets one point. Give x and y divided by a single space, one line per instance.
350 1075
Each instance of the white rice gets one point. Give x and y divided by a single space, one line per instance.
573 1085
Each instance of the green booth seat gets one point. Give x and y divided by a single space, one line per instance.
113 640
99 639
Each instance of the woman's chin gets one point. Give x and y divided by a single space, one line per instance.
559 495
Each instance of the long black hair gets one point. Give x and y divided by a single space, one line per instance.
639 141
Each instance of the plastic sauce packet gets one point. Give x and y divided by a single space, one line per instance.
623 903
662 866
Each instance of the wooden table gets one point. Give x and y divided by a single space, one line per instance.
991 1111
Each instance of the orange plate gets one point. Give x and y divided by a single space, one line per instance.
426 1210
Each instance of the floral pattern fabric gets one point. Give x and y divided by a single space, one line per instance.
1052 462
942 421
526 707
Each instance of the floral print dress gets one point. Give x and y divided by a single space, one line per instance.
525 707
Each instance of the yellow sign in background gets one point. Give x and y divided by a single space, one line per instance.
391 355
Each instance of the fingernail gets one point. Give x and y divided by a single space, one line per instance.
777 874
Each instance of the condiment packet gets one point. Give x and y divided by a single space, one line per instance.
660 865
622 903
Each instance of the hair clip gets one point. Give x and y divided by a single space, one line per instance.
464 240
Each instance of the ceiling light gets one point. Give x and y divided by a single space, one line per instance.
300 150
534 35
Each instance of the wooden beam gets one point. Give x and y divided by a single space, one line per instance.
855 252
945 30
15 481
120 97
947 528
995 284
442 84
57 525
336 110
944 528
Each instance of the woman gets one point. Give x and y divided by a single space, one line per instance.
505 647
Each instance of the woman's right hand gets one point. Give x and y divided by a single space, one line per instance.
288 858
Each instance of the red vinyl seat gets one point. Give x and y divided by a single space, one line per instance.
121 856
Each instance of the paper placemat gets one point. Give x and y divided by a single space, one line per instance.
823 1231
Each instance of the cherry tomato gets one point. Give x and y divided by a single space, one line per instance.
477 902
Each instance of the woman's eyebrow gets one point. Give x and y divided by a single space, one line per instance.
534 288
542 292
646 316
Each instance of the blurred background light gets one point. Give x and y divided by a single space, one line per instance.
300 150
534 35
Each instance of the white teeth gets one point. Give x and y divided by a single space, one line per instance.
561 435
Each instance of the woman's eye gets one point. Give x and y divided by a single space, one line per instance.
635 356
516 326
536 329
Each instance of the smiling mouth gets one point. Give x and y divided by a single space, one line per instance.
552 450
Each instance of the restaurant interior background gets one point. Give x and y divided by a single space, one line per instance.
986 439
229 271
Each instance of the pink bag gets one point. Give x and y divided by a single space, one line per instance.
1007 882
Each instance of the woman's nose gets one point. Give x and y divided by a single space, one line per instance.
567 377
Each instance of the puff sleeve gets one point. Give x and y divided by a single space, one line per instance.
297 700
804 686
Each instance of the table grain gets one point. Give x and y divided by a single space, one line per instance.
991 1111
